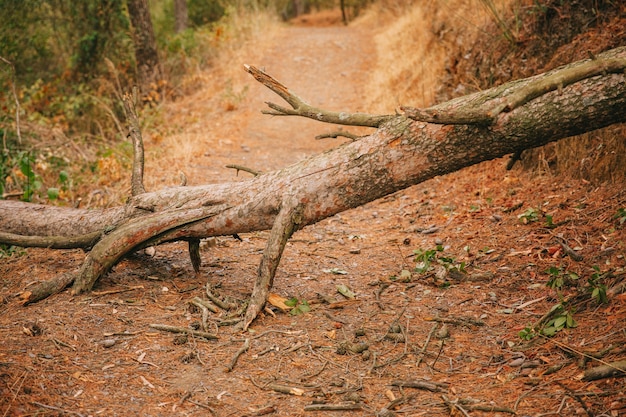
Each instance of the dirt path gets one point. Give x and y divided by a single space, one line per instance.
456 335
325 66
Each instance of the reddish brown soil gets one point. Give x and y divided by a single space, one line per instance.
54 359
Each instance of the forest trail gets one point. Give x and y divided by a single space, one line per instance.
97 354
326 66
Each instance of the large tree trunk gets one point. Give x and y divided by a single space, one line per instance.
402 152
180 15
148 65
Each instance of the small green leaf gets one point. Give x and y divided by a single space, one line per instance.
549 331
64 176
571 323
560 321
53 194
291 302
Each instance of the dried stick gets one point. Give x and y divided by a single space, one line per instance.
460 321
335 135
284 389
570 392
47 288
175 329
244 169
51 407
241 351
333 407
197 301
420 384
453 405
300 108
423 349
606 371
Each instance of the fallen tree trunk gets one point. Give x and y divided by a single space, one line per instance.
403 151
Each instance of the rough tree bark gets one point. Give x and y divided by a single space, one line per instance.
181 17
148 64
404 150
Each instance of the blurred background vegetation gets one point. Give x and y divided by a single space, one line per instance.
65 64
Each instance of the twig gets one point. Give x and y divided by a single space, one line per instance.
333 407
335 135
17 391
453 405
241 351
51 407
460 321
573 394
244 169
423 349
174 329
421 384
217 301
381 287
605 371
300 108
284 389
443 342
108 292
197 301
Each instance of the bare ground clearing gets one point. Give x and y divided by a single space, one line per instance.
96 354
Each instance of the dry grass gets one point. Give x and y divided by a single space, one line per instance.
182 137
414 46
418 45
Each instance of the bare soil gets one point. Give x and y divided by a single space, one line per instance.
456 334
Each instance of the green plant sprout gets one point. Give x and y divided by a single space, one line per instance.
298 306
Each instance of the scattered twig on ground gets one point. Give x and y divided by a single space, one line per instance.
333 407
51 407
336 134
313 375
241 351
382 286
284 389
175 329
570 392
108 292
261 412
459 321
454 404
218 301
285 332
569 251
443 342
17 391
422 351
606 371
432 386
